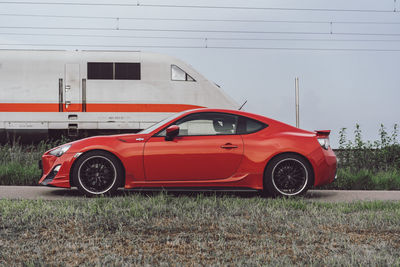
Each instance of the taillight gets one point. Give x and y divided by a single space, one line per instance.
323 138
324 142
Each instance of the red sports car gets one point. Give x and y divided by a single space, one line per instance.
202 148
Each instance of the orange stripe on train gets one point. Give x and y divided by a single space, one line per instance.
53 107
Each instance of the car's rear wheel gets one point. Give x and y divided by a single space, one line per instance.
287 175
97 173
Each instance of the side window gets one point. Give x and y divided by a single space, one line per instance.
177 74
113 71
206 124
127 71
100 71
247 126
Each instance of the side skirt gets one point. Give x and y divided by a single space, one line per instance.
194 189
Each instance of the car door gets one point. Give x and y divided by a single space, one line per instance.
207 148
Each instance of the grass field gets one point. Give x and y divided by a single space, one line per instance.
165 229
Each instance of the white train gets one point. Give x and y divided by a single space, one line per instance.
87 92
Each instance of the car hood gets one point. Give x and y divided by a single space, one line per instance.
79 145
120 137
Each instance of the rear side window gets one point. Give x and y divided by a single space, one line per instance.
248 126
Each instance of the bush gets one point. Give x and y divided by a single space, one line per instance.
366 180
19 163
368 165
380 155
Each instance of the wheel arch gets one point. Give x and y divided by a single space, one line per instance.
288 153
91 150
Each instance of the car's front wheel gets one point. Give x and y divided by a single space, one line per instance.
287 175
97 173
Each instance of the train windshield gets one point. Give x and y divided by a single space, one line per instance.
160 123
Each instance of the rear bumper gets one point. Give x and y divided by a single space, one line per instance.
325 167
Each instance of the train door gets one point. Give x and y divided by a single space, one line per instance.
72 88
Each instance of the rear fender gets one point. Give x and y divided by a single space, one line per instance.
311 181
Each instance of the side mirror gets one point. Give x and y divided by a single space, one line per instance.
172 132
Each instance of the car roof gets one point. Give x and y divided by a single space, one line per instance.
232 111
258 117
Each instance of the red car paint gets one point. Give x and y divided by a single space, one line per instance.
200 161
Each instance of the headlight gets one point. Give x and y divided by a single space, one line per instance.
324 142
59 151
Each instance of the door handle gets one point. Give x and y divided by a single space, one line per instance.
228 146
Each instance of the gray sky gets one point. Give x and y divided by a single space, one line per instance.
338 88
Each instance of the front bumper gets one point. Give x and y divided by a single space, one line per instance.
55 170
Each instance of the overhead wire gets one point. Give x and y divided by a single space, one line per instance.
207 47
138 4
202 19
196 31
197 38
205 39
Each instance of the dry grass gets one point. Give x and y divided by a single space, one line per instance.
191 230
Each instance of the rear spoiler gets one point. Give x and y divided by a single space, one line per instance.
323 133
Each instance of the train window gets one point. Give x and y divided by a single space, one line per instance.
100 71
127 71
113 71
177 74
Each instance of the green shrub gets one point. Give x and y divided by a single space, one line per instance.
376 156
366 180
19 163
368 165
16 173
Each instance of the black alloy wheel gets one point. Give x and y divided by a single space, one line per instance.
288 175
97 173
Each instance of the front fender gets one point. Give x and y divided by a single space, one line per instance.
129 154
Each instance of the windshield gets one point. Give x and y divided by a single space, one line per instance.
158 124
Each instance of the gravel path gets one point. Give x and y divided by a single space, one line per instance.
51 193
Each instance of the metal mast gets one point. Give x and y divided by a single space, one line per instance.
297 102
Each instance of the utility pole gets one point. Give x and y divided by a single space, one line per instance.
296 82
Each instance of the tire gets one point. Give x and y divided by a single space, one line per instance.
287 175
97 173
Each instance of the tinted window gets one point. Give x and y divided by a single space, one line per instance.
127 71
247 126
160 123
100 71
113 71
206 124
